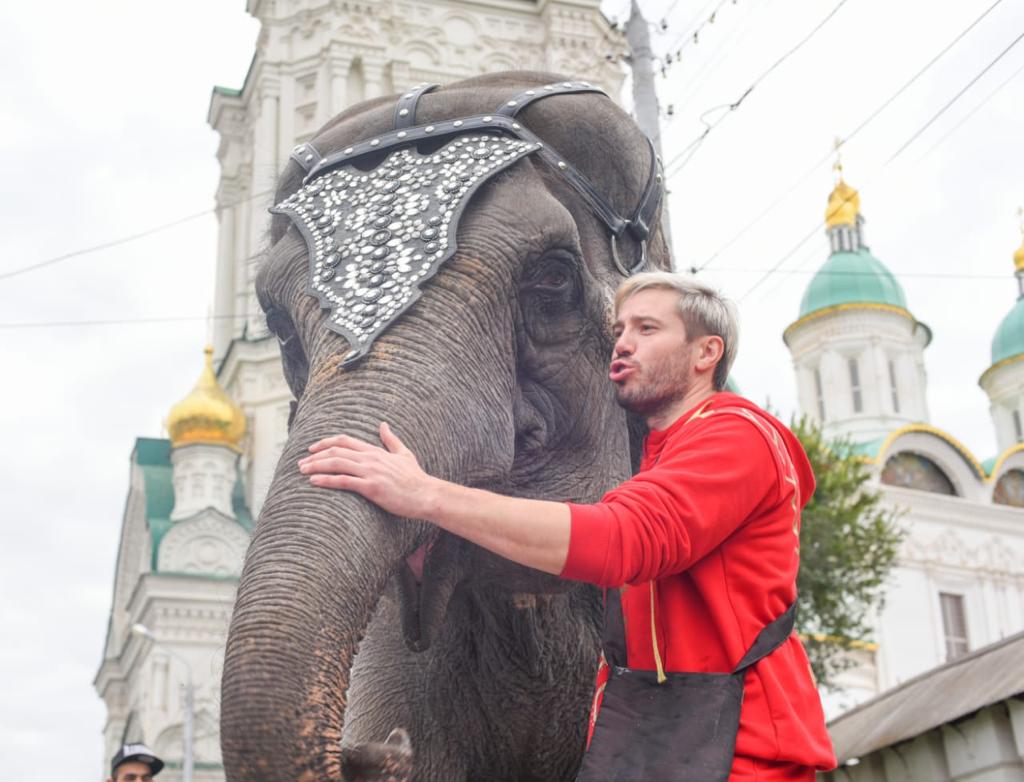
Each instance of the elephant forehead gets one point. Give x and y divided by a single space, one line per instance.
374 237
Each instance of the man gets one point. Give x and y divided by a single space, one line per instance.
134 763
706 535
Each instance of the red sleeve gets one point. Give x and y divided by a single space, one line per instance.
664 519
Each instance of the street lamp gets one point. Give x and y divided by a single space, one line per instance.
190 703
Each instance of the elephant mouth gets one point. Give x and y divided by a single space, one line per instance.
426 580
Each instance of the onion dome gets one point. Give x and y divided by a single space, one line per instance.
843 205
855 277
207 415
1009 339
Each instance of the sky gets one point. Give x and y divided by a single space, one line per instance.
105 136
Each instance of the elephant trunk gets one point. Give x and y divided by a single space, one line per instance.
293 639
316 567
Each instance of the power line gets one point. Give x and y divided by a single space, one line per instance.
117 321
694 145
971 113
774 268
125 239
954 99
728 269
863 124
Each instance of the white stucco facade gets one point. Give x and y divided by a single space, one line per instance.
859 358
176 575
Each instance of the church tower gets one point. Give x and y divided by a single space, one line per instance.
857 349
183 539
1003 381
312 60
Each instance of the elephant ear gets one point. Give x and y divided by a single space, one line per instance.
374 237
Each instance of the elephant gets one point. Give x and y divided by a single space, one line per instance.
368 647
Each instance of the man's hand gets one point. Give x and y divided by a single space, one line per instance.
389 477
534 533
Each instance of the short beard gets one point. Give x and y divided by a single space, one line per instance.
667 386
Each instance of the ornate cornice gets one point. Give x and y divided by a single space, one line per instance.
847 307
949 550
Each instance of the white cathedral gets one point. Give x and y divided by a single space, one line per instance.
857 350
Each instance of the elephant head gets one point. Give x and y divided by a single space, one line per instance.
495 376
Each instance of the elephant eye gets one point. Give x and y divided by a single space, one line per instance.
293 358
553 276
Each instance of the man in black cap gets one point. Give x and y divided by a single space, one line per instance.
134 763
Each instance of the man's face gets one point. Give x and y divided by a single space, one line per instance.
651 362
132 771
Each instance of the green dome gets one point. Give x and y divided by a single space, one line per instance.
852 278
1009 339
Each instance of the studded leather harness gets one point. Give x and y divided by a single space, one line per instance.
374 236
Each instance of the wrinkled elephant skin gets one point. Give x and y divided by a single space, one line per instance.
497 378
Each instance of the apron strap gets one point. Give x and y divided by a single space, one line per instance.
769 639
614 639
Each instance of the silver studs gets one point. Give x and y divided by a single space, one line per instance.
516 126
375 142
530 92
457 123
309 158
348 151
549 86
403 113
562 165
568 85
428 129
512 103
402 134
488 119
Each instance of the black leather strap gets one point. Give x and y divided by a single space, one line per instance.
306 155
517 103
405 110
769 639
638 224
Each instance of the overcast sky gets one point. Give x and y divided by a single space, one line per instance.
104 136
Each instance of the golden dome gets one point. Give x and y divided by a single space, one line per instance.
207 415
843 205
1018 258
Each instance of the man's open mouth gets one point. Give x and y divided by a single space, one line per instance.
620 370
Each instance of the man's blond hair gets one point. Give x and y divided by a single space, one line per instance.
705 312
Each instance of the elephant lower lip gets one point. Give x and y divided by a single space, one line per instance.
416 560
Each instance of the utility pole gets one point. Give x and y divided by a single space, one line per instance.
645 98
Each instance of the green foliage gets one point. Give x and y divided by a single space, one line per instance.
848 544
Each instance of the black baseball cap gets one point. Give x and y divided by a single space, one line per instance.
140 753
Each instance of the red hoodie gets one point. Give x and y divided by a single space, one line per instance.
710 524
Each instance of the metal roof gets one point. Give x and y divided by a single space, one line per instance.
937 697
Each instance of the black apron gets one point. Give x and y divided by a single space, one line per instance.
683 730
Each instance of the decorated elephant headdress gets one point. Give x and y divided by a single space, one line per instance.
380 217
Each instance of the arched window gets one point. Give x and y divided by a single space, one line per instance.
1010 489
914 471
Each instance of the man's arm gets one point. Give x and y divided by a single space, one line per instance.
534 533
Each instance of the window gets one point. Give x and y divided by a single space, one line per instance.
858 401
914 471
892 385
821 395
954 625
1010 489
1018 432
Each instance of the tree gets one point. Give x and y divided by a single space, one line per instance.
849 543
